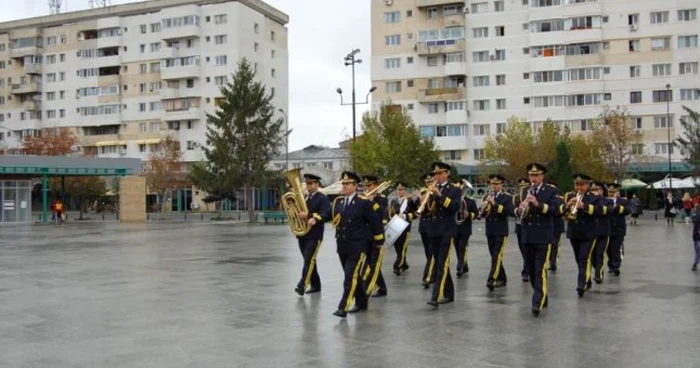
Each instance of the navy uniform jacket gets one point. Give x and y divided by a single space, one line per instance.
559 226
319 208
443 210
585 226
410 211
696 226
619 221
380 204
497 217
465 229
538 225
355 224
605 216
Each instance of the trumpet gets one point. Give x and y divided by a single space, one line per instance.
461 215
379 189
520 211
574 209
426 197
485 208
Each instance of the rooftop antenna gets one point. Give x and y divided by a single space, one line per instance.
55 6
100 3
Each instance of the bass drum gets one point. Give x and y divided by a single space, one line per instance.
393 230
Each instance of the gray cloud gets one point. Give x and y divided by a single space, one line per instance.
321 33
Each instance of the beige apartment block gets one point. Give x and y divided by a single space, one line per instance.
126 77
462 68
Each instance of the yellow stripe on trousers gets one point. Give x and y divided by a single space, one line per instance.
430 269
312 266
466 253
588 263
405 248
605 258
445 269
353 286
499 260
544 277
375 272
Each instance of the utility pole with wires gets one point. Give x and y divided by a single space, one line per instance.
100 3
55 6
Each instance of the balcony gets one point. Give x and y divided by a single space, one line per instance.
439 47
20 53
31 105
98 140
34 87
431 3
440 94
193 113
169 93
180 72
456 68
454 20
166 53
106 61
188 31
32 68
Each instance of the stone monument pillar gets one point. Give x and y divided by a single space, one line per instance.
132 199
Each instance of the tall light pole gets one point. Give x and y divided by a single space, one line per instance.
286 139
668 126
351 60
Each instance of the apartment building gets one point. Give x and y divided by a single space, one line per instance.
462 68
126 77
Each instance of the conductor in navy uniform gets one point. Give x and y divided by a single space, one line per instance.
499 207
541 206
355 222
319 212
443 204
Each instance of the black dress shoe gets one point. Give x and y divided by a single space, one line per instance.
446 300
580 292
526 278
356 309
500 283
535 312
404 268
598 281
589 285
617 273
299 291
490 286
340 313
425 285
465 269
459 274
313 290
611 271
695 268
553 268
434 303
380 293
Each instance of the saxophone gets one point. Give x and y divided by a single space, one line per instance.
294 203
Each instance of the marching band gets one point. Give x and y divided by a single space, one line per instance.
367 224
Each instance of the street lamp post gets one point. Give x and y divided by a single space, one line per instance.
351 60
668 126
286 139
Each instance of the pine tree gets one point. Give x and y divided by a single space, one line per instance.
561 170
242 138
689 143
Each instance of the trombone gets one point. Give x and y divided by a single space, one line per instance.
426 197
381 188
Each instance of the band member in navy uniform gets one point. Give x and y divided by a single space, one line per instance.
405 207
582 228
498 206
604 223
372 273
423 227
539 207
464 230
559 229
319 212
522 184
444 203
355 222
618 229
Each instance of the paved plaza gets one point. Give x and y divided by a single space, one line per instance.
221 295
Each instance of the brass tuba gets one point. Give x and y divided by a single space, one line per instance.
294 203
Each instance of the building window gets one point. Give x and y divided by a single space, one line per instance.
500 104
658 44
155 46
452 155
687 42
409 83
634 46
393 63
273 73
636 97
393 87
143 28
480 7
143 128
272 54
433 108
142 107
481 81
687 15
688 94
256 28
500 79
392 17
432 13
220 19
635 71
479 154
409 13
392 40
143 68
500 31
500 55
272 36
256 47
220 39
481 105
454 57
637 123
501 128
220 81
155 27
480 56
481 129
659 70
659 17
688 68
662 96
663 148
454 105
480 32
220 60
499 6
409 60
432 61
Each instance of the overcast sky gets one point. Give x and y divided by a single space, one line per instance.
317 46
